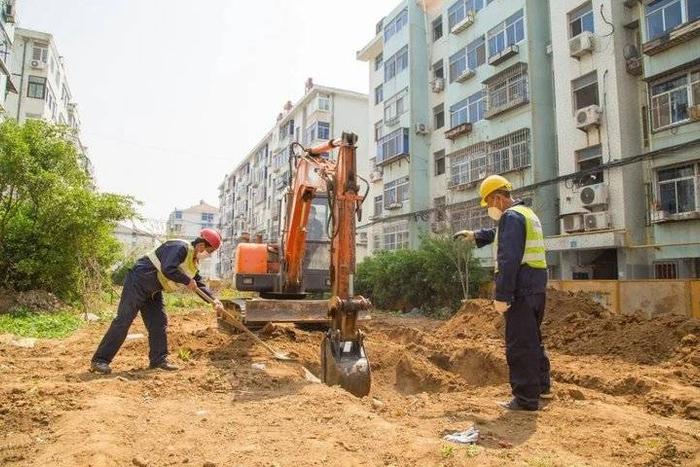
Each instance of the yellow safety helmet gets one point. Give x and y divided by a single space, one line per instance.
491 184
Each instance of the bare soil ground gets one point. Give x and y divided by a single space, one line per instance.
627 392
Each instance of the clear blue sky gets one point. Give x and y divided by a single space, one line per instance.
173 93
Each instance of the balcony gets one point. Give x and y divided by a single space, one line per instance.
681 34
459 130
506 90
392 147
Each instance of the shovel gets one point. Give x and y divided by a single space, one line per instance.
235 322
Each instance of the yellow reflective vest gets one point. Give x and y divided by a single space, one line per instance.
188 266
534 255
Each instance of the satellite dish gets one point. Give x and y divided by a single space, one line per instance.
630 51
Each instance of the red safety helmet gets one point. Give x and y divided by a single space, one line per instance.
212 237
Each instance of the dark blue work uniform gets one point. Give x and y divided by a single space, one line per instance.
524 288
143 292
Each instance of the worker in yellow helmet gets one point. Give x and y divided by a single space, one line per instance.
521 279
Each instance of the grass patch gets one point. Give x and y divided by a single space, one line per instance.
25 323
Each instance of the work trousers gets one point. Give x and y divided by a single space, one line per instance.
133 300
528 363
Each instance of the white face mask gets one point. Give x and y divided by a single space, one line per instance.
495 213
203 255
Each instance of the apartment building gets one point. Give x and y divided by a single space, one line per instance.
135 240
461 90
186 224
251 196
8 19
43 91
670 36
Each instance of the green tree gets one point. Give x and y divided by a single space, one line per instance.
439 274
55 228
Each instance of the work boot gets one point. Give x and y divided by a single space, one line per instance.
164 365
100 367
514 405
547 394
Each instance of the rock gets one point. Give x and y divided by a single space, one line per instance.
310 377
258 366
377 404
25 342
576 394
689 339
91 317
130 337
139 462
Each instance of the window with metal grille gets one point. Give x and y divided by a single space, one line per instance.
507 89
469 216
671 98
500 155
666 270
396 191
396 236
678 189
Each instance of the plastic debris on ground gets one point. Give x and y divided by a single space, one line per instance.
470 436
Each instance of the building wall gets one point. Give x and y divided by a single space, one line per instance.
8 18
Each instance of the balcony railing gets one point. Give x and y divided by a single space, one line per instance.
681 34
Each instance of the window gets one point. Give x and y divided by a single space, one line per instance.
470 110
378 204
40 52
207 217
378 62
396 64
396 106
677 189
588 159
476 162
670 99
324 130
378 130
469 216
378 94
438 69
396 191
324 103
36 87
439 162
392 145
509 32
396 236
439 204
458 11
439 116
663 16
476 53
437 28
585 91
581 19
178 214
394 26
507 91
458 64
666 270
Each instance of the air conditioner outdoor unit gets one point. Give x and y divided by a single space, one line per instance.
466 74
596 221
572 223
422 129
634 66
581 44
588 117
37 64
464 24
375 176
394 206
594 195
694 111
438 84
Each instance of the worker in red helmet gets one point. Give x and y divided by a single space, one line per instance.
175 262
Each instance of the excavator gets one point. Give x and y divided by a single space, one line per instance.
277 270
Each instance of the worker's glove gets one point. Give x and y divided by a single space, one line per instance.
218 306
501 307
467 235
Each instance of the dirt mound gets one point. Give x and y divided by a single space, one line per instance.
577 325
34 300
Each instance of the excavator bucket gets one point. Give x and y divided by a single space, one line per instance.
345 364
